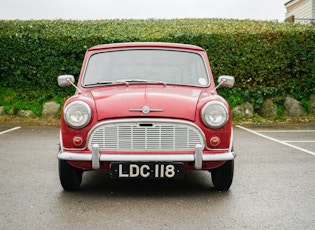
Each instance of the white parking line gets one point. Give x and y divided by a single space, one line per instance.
273 139
287 131
299 141
9 130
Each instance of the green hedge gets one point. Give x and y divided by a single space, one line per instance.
268 59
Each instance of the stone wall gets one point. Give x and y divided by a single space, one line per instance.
50 111
269 109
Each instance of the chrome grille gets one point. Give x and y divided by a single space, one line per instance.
145 135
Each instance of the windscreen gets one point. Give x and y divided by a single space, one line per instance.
168 66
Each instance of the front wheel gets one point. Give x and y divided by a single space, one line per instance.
222 177
70 177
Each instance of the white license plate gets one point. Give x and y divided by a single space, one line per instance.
146 170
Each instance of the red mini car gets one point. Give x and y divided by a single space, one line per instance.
146 110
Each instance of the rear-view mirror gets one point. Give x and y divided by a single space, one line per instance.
65 80
227 81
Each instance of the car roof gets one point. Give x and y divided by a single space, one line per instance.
131 45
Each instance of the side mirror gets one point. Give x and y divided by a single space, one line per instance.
65 80
227 81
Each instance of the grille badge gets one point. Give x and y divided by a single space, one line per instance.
145 110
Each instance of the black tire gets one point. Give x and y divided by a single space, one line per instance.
222 177
70 177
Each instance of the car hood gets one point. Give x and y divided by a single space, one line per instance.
146 101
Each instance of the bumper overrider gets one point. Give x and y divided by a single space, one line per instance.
96 157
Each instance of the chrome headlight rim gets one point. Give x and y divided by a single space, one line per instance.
220 109
80 110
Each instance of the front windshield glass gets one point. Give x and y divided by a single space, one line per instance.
146 66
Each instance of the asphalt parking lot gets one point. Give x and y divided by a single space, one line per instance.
273 187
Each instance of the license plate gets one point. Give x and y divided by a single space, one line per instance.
146 170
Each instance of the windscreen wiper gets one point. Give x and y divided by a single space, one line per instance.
108 83
126 82
143 81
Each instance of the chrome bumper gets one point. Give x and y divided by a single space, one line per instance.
198 157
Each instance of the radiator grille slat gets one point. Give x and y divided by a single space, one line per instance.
149 136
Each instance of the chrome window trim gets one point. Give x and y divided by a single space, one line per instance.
148 48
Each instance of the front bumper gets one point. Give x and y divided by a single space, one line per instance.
96 158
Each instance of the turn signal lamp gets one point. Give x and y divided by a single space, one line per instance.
214 141
77 141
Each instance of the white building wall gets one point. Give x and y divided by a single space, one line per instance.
303 10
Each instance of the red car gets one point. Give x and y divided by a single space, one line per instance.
146 110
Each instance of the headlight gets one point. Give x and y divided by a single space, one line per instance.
77 114
215 114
